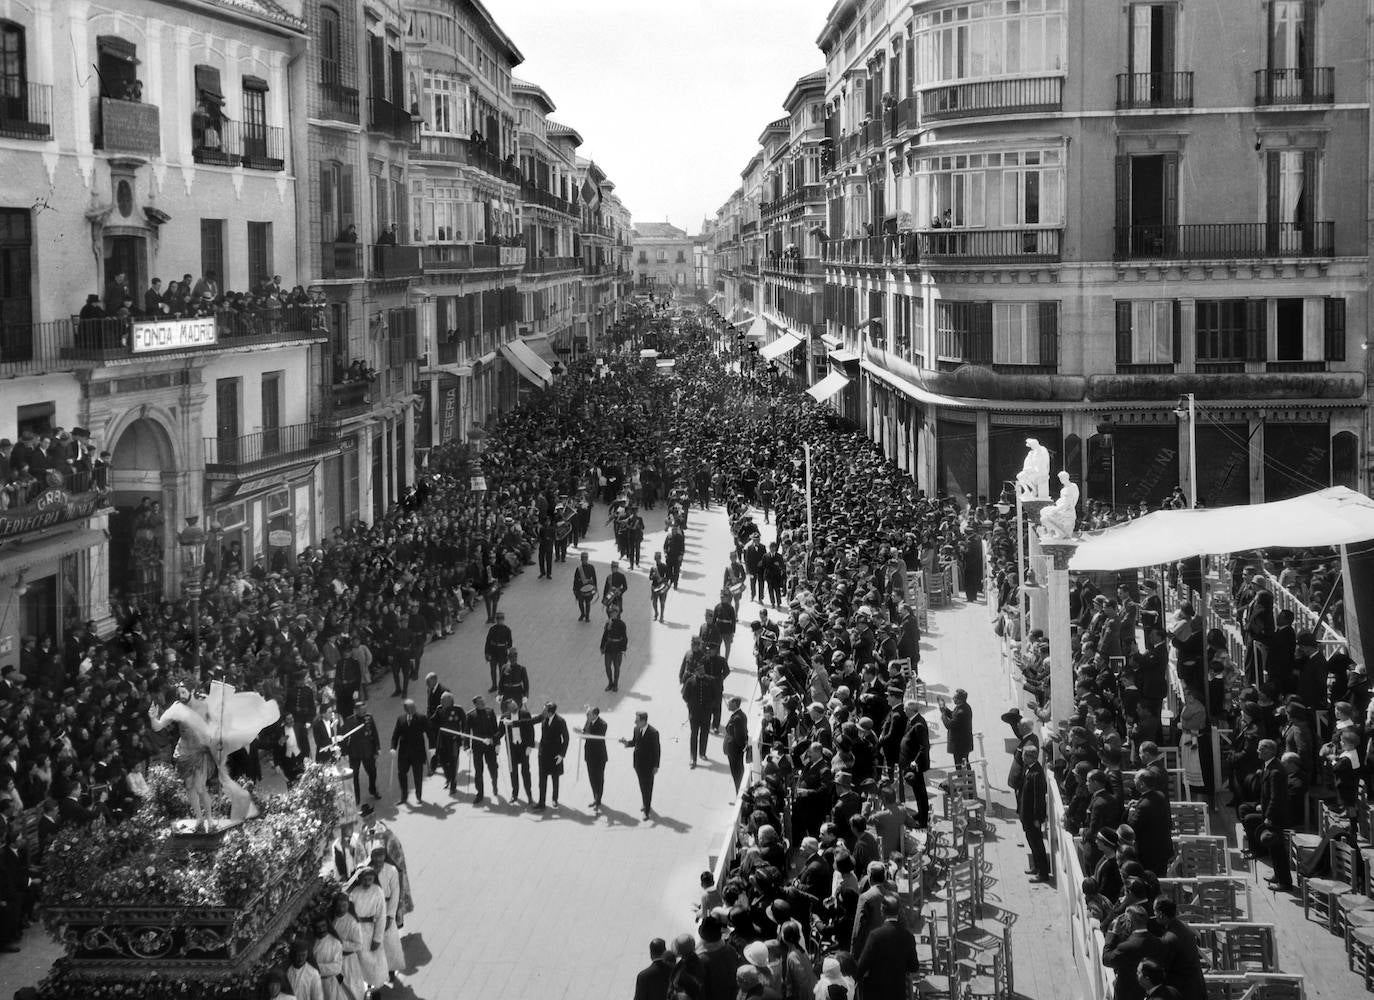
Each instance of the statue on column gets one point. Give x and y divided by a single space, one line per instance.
1058 520
210 729
1033 481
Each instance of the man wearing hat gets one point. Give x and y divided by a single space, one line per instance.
483 728
409 746
736 741
496 649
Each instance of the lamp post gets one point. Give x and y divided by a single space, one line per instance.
192 542
1187 409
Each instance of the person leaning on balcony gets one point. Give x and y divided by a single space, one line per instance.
388 237
154 302
349 234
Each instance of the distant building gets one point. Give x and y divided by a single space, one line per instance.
664 258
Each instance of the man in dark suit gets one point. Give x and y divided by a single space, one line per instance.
1153 825
1183 964
584 589
483 729
1283 651
497 647
959 727
647 752
594 753
869 911
323 732
409 744
1030 807
434 690
1152 979
652 981
553 747
1128 943
1273 815
889 957
914 760
736 740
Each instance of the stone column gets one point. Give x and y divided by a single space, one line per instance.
95 568
1058 552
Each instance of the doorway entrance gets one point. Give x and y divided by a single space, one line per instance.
127 255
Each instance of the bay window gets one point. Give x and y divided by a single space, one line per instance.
990 38
450 217
992 190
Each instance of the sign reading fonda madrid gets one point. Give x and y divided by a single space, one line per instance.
174 334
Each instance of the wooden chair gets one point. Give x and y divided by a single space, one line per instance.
1208 899
1350 922
1199 855
1226 986
1319 894
1176 785
1190 818
986 972
1249 948
961 795
1210 946
1360 948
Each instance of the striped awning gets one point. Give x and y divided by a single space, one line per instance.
527 363
827 387
783 345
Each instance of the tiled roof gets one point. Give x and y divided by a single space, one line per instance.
264 9
659 230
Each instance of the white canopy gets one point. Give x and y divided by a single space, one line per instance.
758 328
527 363
827 387
779 347
1334 516
648 352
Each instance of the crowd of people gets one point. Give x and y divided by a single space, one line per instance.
44 460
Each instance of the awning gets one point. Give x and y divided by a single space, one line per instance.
714 299
542 349
827 387
527 363
1333 516
648 352
666 362
736 314
831 341
22 555
758 329
783 345
844 356
258 486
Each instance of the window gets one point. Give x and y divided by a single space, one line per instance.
446 99
16 303
254 117
1151 44
14 76
336 200
993 190
1308 329
990 38
1025 333
1231 330
1290 34
661 256
259 253
331 47
212 258
117 62
963 331
1147 332
1290 190
448 217
681 257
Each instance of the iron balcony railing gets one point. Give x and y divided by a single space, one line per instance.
467 256
1154 90
890 250
532 195
113 338
388 118
259 147
545 265
991 246
34 348
341 260
269 446
790 265
338 103
1026 95
1295 85
346 399
1226 241
25 109
392 261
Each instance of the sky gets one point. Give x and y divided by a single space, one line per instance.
670 96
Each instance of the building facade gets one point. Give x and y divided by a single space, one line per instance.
161 153
1041 221
664 259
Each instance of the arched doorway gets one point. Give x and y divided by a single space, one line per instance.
141 460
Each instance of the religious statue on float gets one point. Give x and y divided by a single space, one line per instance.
1058 519
1033 481
209 730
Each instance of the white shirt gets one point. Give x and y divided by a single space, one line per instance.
305 982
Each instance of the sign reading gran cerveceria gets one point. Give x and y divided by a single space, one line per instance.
172 334
51 507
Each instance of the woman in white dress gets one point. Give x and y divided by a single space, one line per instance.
346 928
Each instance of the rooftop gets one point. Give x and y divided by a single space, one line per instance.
659 230
263 10
557 130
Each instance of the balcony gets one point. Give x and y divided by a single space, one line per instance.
27 114
391 261
880 251
752 226
533 195
128 127
793 199
873 134
790 266
990 246
258 147
100 340
389 119
338 103
341 261
264 449
469 256
1226 241
34 348
1298 85
1154 90
347 399
47 505
456 149
1030 95
750 268
548 265
907 113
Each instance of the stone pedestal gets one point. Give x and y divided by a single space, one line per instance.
1058 552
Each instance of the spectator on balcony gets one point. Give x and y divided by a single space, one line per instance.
388 237
349 234
154 302
117 291
207 286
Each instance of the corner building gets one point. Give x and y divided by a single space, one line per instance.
1049 220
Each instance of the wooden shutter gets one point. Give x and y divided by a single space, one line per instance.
1309 43
1333 328
1167 13
327 220
980 314
1256 329
1123 206
345 197
1170 190
1271 188
1049 333
1177 321
1124 354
